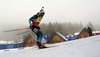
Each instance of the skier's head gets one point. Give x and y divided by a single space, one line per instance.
41 13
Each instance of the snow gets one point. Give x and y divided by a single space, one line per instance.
7 42
61 35
96 32
86 47
76 33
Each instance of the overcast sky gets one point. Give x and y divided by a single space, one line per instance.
18 12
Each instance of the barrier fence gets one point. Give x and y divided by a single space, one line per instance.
18 45
10 46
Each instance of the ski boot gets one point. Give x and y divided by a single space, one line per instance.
41 46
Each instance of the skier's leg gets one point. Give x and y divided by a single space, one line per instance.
39 39
40 36
35 30
91 34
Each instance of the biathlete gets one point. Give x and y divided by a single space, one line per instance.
34 22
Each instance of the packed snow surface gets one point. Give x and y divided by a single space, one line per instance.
86 47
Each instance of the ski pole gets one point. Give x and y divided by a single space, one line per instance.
15 30
23 32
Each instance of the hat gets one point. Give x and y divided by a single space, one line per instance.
41 12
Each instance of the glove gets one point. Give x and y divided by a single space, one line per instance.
39 28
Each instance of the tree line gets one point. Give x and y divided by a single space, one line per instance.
65 28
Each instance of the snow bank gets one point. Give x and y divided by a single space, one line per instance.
85 47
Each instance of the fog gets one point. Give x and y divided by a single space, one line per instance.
16 13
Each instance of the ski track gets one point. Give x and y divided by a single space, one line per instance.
86 47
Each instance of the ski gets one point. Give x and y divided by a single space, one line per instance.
15 30
49 47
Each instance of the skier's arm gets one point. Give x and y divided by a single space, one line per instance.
90 29
30 20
